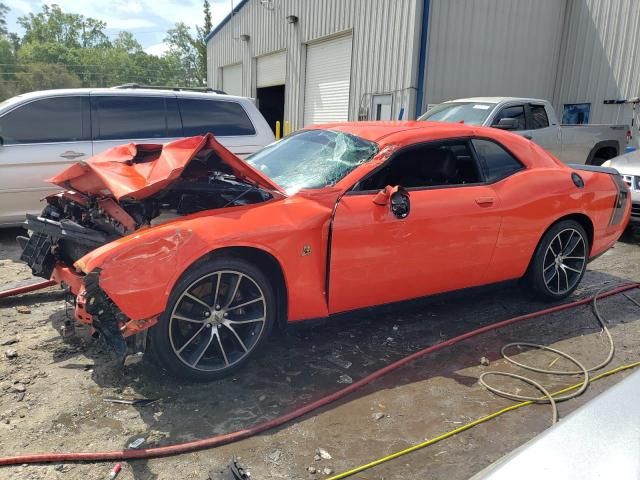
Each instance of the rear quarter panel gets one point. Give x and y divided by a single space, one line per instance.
535 199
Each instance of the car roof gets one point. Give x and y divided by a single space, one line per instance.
120 92
386 132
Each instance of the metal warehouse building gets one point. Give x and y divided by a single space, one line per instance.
312 61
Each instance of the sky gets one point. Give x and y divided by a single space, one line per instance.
148 20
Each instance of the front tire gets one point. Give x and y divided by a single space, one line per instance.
218 316
560 261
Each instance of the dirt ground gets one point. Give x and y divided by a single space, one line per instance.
51 392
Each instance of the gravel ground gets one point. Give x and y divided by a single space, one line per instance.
52 388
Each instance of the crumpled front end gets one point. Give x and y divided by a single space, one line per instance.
116 196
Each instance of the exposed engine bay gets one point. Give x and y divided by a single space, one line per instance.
74 223
116 193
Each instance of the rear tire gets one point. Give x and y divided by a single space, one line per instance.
218 316
560 261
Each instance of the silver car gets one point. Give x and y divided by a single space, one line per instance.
629 167
43 132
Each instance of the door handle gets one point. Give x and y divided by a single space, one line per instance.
485 201
71 154
528 137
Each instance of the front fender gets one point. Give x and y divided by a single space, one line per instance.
139 271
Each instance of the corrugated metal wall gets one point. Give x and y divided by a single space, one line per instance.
385 47
493 48
600 58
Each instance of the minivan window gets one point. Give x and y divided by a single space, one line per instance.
497 161
58 119
129 117
222 118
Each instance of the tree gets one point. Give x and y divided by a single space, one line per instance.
44 76
190 49
3 19
68 29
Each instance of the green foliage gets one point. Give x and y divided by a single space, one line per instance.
66 50
68 29
191 49
3 18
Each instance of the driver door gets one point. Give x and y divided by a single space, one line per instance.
444 243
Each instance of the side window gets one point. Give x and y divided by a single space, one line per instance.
60 119
428 165
498 162
222 118
129 117
515 111
539 117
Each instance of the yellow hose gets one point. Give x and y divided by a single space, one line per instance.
451 433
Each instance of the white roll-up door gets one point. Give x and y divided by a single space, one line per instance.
271 69
232 79
328 74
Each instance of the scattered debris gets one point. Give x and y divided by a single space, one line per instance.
141 402
339 361
275 456
23 309
136 443
323 454
484 361
233 471
378 416
11 353
115 471
19 387
345 379
311 469
327 471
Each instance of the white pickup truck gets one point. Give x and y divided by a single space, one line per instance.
536 120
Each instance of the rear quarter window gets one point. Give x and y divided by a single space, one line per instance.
497 162
222 118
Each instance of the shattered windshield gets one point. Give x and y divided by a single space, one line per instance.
312 158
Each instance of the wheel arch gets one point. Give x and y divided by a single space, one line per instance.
581 218
609 148
264 260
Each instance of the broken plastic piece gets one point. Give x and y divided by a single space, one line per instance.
233 471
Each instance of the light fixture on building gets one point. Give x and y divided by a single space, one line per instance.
244 37
292 19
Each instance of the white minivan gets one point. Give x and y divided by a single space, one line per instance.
43 132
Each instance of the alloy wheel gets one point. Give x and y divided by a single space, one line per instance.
564 261
217 320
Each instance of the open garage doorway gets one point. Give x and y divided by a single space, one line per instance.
271 105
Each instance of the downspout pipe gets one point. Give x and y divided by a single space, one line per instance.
422 61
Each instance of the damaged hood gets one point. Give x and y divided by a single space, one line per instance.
138 171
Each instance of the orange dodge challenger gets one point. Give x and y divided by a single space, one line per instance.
209 252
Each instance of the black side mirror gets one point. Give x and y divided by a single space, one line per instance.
507 124
400 203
